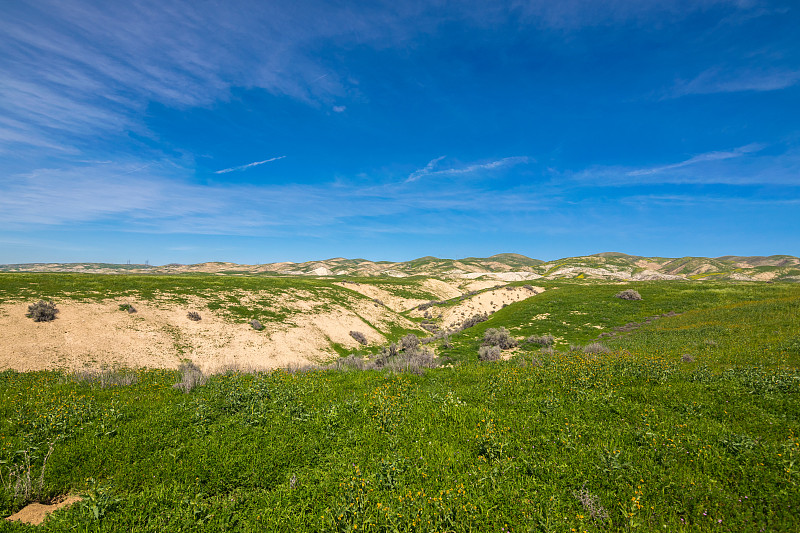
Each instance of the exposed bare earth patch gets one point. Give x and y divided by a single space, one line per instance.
92 335
35 513
484 302
395 303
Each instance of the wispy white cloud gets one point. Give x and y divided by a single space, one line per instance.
68 72
427 169
159 197
701 158
430 168
718 80
752 164
249 165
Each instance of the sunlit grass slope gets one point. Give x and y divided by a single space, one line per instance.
630 440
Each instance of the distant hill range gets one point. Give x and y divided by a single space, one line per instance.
503 267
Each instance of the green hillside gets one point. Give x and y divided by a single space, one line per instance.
685 419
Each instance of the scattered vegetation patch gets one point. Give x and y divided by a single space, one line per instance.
473 320
359 337
628 294
595 348
191 377
541 340
42 311
499 337
489 353
193 315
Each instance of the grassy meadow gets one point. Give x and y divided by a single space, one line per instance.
688 419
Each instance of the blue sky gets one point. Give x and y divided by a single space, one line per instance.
268 131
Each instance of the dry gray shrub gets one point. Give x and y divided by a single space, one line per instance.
628 294
423 307
359 337
595 348
529 287
351 362
193 315
499 337
687 358
414 361
127 307
191 377
489 353
256 325
410 341
544 340
42 311
474 319
429 326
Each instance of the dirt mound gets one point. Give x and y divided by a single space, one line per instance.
35 513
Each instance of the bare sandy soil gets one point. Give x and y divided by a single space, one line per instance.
98 335
484 302
35 513
395 303
92 336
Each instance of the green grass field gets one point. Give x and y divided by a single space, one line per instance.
561 440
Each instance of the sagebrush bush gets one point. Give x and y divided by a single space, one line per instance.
193 315
359 337
628 294
414 361
474 319
191 377
256 325
127 307
499 337
489 353
687 358
595 348
423 307
544 340
410 341
42 311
